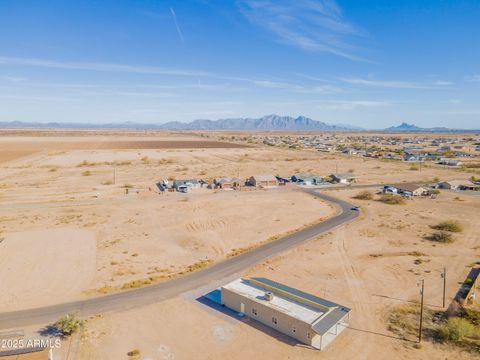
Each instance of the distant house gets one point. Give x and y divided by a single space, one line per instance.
343 178
282 180
225 182
409 190
306 318
183 185
349 151
457 185
449 162
388 189
262 181
307 179
411 157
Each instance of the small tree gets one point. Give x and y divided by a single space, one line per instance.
456 329
69 324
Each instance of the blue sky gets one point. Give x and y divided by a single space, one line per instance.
366 63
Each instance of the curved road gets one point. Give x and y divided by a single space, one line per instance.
153 293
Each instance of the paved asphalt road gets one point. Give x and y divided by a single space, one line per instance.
153 293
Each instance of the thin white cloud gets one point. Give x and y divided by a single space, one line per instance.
384 84
36 98
154 70
121 68
312 78
473 78
314 25
351 104
179 32
443 83
101 67
13 79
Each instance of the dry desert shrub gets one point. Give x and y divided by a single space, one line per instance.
392 199
364 195
403 320
449 225
441 237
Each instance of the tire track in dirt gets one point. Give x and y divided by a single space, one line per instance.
361 298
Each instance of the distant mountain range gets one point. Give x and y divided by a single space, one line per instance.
269 122
405 127
265 123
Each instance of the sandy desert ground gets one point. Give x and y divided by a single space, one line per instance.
368 265
68 203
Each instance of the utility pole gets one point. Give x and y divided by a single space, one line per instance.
114 175
421 311
444 276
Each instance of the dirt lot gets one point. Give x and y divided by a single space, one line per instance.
37 264
136 236
368 265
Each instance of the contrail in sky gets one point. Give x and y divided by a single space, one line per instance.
176 24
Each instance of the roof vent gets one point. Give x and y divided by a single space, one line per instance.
268 296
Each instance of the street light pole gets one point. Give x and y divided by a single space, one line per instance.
421 312
444 276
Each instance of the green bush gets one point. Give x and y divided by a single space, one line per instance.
449 225
455 329
69 324
472 315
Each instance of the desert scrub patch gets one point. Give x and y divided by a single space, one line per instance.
441 237
403 320
392 199
449 225
364 195
456 330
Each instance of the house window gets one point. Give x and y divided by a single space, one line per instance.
293 329
254 311
274 320
308 335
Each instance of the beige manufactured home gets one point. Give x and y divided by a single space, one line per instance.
309 319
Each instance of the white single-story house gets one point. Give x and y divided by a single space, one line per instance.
307 318
450 162
226 182
307 179
262 181
457 185
343 178
185 184
388 189
413 190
